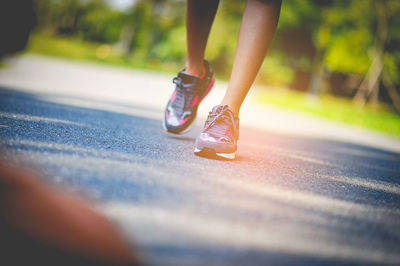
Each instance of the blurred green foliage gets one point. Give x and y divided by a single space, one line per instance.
340 34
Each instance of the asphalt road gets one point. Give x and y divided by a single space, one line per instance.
288 199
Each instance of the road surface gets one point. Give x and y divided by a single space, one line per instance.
303 191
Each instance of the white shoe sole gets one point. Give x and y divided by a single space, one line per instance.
229 156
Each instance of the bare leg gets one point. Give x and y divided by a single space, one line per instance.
256 31
199 18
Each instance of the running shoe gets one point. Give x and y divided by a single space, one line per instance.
220 134
190 90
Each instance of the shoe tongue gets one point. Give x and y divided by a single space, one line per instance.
220 108
188 78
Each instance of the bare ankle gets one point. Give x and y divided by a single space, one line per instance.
232 107
235 112
197 70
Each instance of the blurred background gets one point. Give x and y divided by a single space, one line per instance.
338 59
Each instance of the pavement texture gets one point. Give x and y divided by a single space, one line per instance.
302 191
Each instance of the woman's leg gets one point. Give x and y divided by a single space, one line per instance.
189 91
199 18
256 31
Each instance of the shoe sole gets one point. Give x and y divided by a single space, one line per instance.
211 153
210 86
183 131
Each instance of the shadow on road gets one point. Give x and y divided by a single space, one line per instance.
315 201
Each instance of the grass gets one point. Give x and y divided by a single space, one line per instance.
3 65
381 119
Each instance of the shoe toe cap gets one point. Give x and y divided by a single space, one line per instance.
218 144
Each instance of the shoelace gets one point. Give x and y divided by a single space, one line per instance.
184 95
220 116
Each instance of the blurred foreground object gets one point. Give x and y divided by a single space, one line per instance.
40 225
17 18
